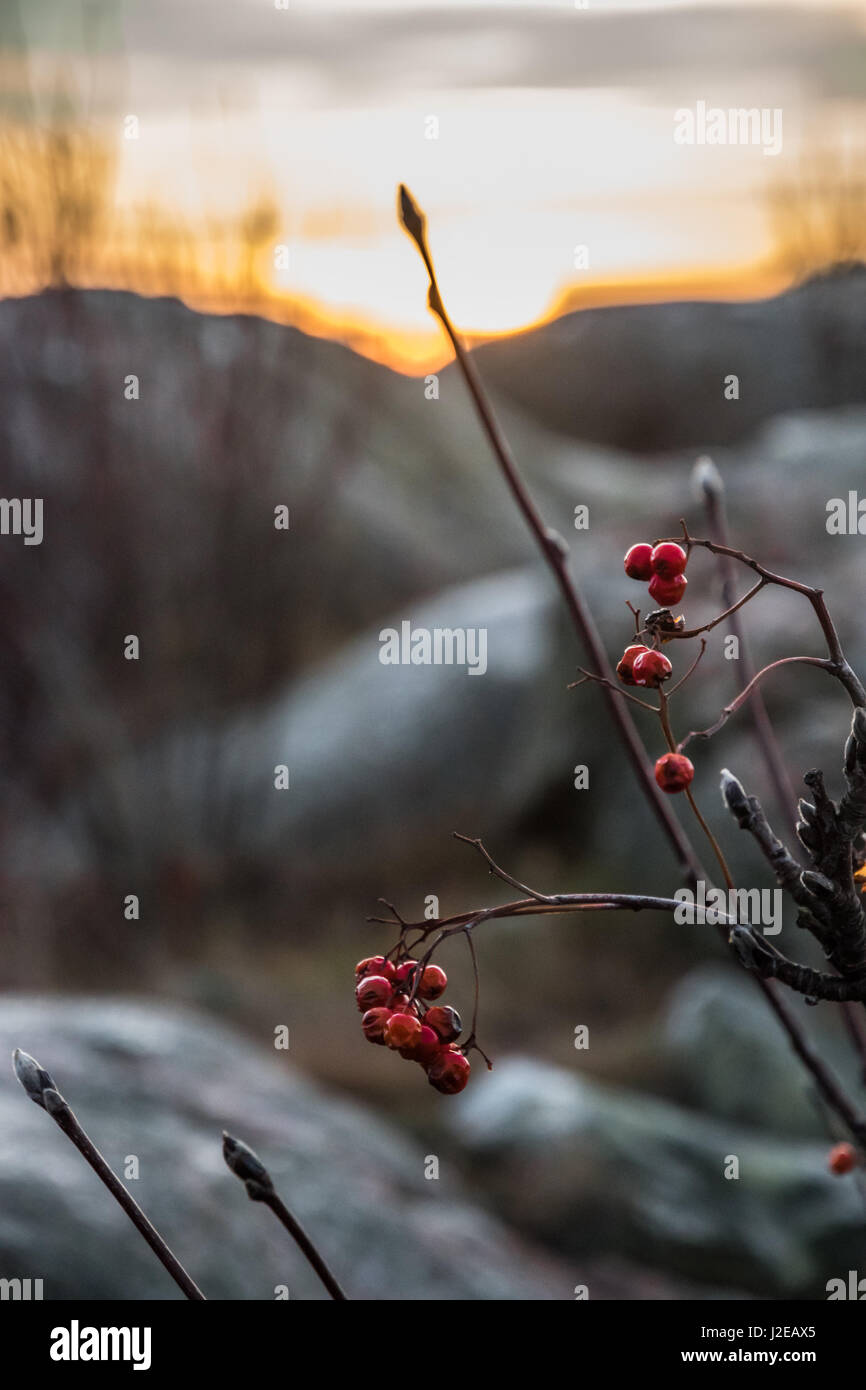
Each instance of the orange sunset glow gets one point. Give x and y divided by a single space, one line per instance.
274 193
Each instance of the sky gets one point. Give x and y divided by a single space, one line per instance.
539 139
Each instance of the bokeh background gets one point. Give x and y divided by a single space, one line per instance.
201 196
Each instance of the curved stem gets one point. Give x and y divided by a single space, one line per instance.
821 662
553 549
672 745
838 662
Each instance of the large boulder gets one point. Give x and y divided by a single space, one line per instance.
160 1084
727 1056
593 1169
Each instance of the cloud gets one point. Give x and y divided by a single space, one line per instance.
368 54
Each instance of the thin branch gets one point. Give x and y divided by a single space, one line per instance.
246 1165
712 489
838 666
825 1080
694 666
41 1089
728 613
664 719
770 964
472 1040
732 708
553 549
499 872
607 684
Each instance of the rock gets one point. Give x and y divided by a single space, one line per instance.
259 647
729 1057
161 1083
806 347
367 744
592 1169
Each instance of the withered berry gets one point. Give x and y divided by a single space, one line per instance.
373 1025
373 992
625 665
434 982
374 965
401 1030
674 772
651 668
405 973
444 1021
423 1047
448 1072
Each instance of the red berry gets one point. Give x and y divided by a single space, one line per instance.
841 1159
668 560
374 965
638 562
651 668
404 974
434 982
373 992
373 1024
449 1072
423 1047
400 1004
444 1021
625 666
667 591
401 1030
674 772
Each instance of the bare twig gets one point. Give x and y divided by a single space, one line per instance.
499 872
246 1165
607 684
41 1089
709 481
733 608
744 694
694 666
553 549
838 666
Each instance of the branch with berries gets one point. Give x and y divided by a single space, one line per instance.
825 892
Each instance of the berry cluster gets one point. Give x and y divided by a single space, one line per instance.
641 665
663 566
397 1014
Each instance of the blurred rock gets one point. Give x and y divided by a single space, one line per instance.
730 1058
161 1084
260 647
802 349
390 748
590 1169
